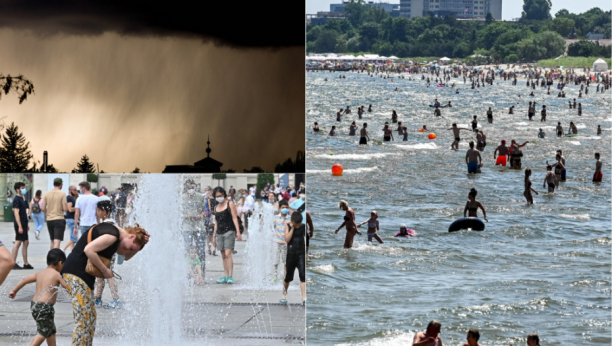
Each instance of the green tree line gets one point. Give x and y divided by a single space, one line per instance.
535 36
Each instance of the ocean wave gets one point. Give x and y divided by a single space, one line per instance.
574 142
346 171
326 268
576 217
418 146
354 156
390 338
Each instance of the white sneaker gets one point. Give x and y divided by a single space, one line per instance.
37 234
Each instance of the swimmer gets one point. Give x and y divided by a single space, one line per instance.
388 134
559 167
405 128
472 338
573 128
339 115
543 114
448 105
515 153
472 205
352 129
457 91
531 111
405 232
425 128
349 222
580 109
394 117
347 110
503 152
533 340
456 131
559 130
364 134
474 123
574 103
599 129
373 227
370 109
597 175
541 134
490 116
437 112
563 173
473 159
429 337
400 129
511 110
528 187
333 131
316 127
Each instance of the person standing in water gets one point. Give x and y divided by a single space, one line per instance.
543 114
573 128
295 234
528 187
533 340
388 134
541 134
429 337
352 129
550 179
490 116
364 134
349 222
316 127
564 171
559 130
503 153
597 176
332 132
473 336
472 206
473 159
226 232
456 130
474 123
373 227
598 129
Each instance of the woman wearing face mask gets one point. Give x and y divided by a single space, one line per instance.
226 232
295 234
349 222
102 240
240 199
272 200
373 227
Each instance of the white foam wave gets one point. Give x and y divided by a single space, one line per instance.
575 142
354 156
346 171
580 126
326 268
577 217
418 146
390 338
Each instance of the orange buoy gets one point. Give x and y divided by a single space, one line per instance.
432 136
337 169
421 130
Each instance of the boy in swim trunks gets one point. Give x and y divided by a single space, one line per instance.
598 174
473 159
559 130
364 134
550 179
47 281
373 227
456 131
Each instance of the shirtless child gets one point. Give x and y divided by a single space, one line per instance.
472 338
456 131
430 336
47 281
550 178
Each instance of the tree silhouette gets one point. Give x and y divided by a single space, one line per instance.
254 169
20 85
229 171
291 166
84 166
15 154
136 170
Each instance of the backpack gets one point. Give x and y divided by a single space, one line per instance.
35 207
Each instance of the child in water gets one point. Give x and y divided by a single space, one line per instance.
404 232
195 267
47 281
472 338
373 227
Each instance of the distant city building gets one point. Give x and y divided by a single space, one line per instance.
393 9
206 165
322 17
460 9
591 36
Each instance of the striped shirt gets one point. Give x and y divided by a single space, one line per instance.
279 228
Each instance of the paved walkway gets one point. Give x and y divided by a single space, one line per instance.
213 314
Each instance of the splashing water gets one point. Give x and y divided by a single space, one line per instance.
259 249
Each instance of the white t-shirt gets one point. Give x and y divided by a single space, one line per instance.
277 190
252 190
249 203
87 205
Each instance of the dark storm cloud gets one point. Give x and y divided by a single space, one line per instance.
242 23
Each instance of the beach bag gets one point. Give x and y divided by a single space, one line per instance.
92 269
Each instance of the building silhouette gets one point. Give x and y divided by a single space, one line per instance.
206 165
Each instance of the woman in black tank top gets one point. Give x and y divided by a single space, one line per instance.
227 230
295 233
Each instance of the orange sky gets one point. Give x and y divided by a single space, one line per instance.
150 101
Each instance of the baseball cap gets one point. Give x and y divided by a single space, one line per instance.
503 141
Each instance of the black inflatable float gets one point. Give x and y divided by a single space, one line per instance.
473 223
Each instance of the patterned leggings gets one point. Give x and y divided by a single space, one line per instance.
83 309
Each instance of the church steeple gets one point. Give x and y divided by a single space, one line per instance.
208 150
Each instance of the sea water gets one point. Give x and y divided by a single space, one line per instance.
540 269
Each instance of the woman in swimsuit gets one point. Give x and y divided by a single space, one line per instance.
352 129
528 187
559 167
472 206
349 222
388 136
394 117
515 156
316 127
373 227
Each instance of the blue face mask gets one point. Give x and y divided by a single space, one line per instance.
285 211
24 191
239 195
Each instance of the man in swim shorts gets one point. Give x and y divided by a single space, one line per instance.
472 159
559 130
503 153
543 114
456 131
564 171
550 179
364 134
598 174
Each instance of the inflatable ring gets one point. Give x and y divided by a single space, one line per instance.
421 130
473 223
